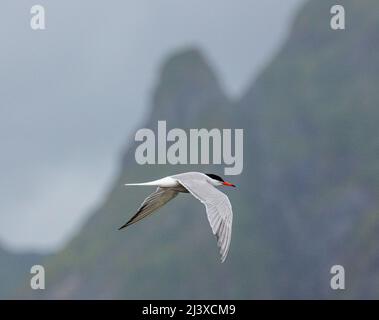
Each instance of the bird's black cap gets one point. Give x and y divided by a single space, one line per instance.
214 176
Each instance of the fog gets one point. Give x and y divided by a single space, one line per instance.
73 94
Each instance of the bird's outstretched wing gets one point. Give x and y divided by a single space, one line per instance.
153 202
218 207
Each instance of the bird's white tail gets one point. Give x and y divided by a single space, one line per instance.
164 182
140 184
150 183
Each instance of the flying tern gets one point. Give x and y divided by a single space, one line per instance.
202 187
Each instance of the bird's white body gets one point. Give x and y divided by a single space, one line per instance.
202 187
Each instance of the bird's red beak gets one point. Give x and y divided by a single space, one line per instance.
228 184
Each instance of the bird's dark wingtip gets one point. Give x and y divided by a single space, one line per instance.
122 227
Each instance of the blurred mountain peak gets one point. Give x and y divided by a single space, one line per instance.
177 64
184 73
187 95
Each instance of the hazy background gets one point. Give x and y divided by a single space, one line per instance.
72 94
305 95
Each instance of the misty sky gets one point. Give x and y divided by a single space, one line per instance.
72 95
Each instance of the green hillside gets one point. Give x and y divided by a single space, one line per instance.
15 269
306 200
316 128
